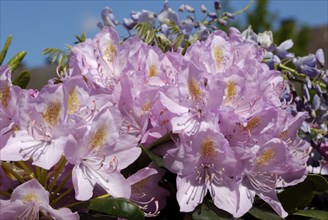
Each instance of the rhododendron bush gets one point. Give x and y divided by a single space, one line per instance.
167 123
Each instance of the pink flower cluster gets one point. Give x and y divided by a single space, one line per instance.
232 137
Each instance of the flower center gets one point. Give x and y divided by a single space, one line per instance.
194 89
266 157
152 71
110 51
98 138
73 102
283 135
51 115
218 55
31 197
146 106
207 149
4 96
253 123
139 186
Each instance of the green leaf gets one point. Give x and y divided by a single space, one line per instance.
155 158
162 42
298 196
320 184
117 207
263 214
5 48
145 31
22 79
81 38
16 60
178 41
96 217
208 211
56 55
317 214
174 28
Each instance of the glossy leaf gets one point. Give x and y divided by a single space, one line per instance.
208 211
22 79
155 158
317 214
320 184
5 48
263 214
301 195
16 60
117 207
298 196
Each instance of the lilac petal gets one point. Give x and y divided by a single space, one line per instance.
117 185
272 199
316 102
203 8
225 197
125 151
31 186
11 210
189 193
18 144
63 213
83 187
246 199
286 45
141 174
52 155
320 56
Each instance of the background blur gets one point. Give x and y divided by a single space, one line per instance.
36 25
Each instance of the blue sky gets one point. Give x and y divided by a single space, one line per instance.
36 25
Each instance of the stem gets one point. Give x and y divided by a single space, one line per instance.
68 175
240 11
233 14
38 173
25 167
62 164
6 167
62 196
160 141
44 174
5 193
282 66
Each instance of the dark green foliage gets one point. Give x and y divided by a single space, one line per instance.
22 79
16 60
56 55
5 49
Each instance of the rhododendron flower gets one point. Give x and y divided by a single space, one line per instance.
145 190
99 153
31 201
44 135
204 163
